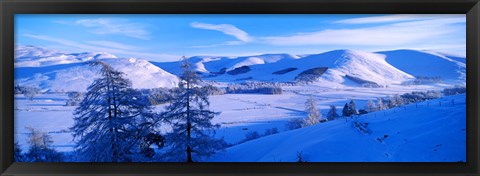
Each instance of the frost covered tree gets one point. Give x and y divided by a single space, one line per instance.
192 135
313 114
396 100
30 92
380 105
40 149
332 113
74 98
345 112
370 106
112 119
352 108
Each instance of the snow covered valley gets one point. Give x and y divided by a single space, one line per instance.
428 131
259 99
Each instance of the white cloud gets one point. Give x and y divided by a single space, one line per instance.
106 26
226 29
426 31
228 43
115 51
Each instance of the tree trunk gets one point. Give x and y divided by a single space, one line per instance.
189 126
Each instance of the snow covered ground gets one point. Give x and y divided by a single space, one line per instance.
426 132
436 133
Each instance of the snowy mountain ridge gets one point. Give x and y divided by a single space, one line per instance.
53 71
56 71
34 56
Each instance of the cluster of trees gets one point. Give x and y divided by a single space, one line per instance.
213 90
389 102
255 135
349 109
162 95
310 75
158 96
454 90
40 148
363 82
254 87
419 80
116 123
420 96
74 98
28 91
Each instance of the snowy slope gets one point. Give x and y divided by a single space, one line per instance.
40 66
384 68
33 56
368 66
73 75
430 133
425 63
209 64
364 65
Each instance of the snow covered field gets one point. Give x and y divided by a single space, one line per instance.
434 133
413 133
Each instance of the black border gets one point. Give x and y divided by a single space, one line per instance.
10 7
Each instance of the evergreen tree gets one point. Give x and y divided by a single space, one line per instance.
313 114
352 108
370 106
40 147
112 119
192 129
17 153
332 113
345 112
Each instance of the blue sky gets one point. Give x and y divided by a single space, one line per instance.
168 37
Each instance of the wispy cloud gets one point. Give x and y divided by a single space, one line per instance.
107 26
115 51
228 43
391 34
389 31
227 29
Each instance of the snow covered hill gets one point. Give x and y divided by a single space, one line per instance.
34 56
72 74
430 64
339 63
415 133
212 64
55 70
363 65
344 67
